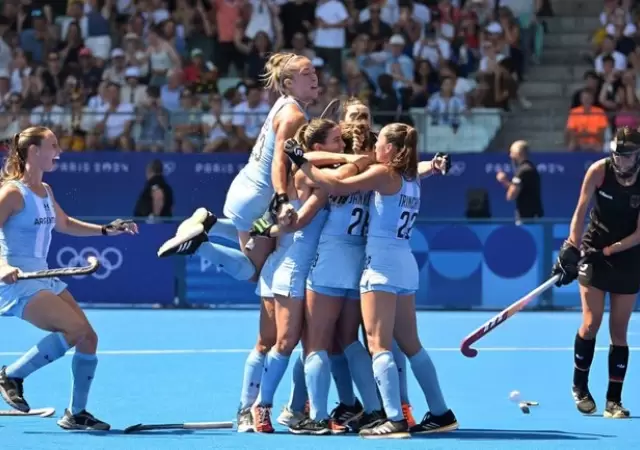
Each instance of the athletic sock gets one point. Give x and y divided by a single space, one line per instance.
299 396
83 368
401 363
50 348
342 379
385 372
317 371
225 229
274 368
253 367
582 358
362 373
425 373
618 362
233 262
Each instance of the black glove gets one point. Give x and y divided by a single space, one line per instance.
447 162
116 225
567 264
294 151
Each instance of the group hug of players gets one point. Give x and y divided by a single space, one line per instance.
323 212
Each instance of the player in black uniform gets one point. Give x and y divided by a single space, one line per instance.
608 262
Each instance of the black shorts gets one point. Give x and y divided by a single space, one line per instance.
611 278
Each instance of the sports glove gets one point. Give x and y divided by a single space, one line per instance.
567 264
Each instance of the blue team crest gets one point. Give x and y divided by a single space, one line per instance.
635 201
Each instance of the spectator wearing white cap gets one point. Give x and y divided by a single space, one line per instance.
115 73
331 35
399 65
132 91
134 53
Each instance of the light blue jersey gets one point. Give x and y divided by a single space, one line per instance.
25 238
390 265
340 256
290 277
252 189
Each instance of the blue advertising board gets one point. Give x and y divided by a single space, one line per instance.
130 271
107 184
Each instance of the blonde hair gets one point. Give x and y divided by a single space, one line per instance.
405 139
357 137
280 67
16 162
315 132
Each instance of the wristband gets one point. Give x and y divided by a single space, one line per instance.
103 229
281 199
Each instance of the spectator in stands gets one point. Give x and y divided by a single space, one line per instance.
161 57
217 127
69 48
90 75
299 46
77 122
444 107
256 51
55 74
592 83
170 92
433 48
463 87
377 30
385 103
586 125
48 114
229 16
14 119
133 91
201 76
37 40
134 54
115 73
249 116
609 51
399 66
627 102
186 123
330 34
21 69
609 87
153 120
115 120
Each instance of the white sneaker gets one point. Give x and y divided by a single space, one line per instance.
290 418
191 233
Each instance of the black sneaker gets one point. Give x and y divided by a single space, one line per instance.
191 233
389 429
12 392
318 427
82 421
368 420
436 424
584 400
615 410
344 415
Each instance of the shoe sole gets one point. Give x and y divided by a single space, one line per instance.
66 426
21 408
398 435
311 433
246 429
608 415
198 216
177 241
445 429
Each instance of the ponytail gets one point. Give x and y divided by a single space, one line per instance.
405 139
15 164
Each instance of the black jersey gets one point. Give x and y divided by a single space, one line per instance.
614 216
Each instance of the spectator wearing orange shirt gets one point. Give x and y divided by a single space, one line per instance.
586 125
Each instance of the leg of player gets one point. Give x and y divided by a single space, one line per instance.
254 365
359 361
378 311
622 306
439 418
192 237
67 328
297 409
349 408
321 314
289 319
401 362
585 345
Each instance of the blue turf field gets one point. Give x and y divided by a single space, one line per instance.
176 366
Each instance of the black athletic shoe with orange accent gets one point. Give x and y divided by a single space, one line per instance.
344 415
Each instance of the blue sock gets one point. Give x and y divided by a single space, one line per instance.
50 348
253 367
386 375
342 379
317 371
83 368
401 362
299 395
425 373
361 371
274 368
225 229
232 261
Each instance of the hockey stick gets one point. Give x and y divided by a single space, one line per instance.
63 271
180 426
500 318
41 412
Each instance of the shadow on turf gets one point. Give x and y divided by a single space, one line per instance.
117 433
525 435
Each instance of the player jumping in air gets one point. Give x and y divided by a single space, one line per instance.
28 214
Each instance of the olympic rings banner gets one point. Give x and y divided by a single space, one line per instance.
130 273
108 184
462 266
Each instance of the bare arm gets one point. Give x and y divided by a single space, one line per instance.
285 129
376 178
592 179
305 215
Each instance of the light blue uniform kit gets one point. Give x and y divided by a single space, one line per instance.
251 191
339 262
24 243
389 262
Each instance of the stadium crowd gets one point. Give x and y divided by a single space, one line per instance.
610 97
184 75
